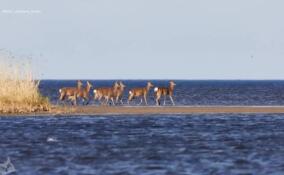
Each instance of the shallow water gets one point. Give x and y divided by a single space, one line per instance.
194 92
156 144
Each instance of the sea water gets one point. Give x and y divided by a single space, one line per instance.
153 144
145 144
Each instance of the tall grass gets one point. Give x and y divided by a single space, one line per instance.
19 92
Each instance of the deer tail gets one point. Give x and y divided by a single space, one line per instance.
156 89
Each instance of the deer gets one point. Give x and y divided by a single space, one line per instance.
108 93
119 92
70 92
84 93
140 92
165 91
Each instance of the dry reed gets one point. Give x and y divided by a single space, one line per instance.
19 92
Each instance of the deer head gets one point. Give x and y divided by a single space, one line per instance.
79 83
89 85
172 83
149 85
121 84
115 85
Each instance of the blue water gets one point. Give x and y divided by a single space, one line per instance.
153 144
195 92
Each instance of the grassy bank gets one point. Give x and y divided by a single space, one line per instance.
19 92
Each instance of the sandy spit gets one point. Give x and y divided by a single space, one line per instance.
140 110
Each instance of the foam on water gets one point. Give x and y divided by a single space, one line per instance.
51 139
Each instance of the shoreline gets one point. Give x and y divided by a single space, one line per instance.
93 110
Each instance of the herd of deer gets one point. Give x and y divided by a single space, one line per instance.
115 93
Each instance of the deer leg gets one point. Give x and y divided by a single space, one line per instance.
120 100
145 99
128 102
83 101
141 101
87 100
58 101
73 100
96 97
62 96
106 101
112 99
100 100
172 100
70 100
165 100
116 99
63 102
129 99
158 100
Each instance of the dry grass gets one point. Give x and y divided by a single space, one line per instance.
19 92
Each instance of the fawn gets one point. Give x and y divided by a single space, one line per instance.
140 92
165 91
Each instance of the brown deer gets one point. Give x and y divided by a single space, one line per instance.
108 93
84 93
165 91
70 92
140 92
119 92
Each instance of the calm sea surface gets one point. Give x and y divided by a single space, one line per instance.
153 144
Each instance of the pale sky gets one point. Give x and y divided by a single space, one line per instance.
147 39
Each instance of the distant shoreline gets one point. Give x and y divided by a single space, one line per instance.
150 110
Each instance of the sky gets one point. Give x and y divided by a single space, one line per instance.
146 39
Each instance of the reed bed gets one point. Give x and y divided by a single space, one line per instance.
19 92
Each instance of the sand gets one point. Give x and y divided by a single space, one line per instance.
103 110
140 110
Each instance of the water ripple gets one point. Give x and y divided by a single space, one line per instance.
165 144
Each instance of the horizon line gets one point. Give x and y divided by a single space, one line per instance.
163 79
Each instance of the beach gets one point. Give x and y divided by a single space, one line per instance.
93 110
